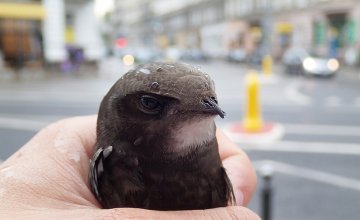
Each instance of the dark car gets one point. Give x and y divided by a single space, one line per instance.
236 56
298 61
138 55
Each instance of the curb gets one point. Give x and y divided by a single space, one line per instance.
270 134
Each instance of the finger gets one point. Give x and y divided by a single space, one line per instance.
227 148
66 135
242 177
239 169
81 129
239 213
68 144
56 160
231 212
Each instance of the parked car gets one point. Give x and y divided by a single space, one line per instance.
173 54
236 56
139 55
299 61
194 55
255 58
146 55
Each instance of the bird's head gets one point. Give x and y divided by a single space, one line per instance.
162 104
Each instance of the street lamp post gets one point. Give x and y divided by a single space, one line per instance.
267 172
267 25
267 28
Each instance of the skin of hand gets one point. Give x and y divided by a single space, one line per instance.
48 178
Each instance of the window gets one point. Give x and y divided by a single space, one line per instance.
195 18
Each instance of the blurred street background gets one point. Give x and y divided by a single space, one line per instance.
58 58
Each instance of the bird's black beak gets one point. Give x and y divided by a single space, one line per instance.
211 105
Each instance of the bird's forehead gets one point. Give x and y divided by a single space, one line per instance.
174 80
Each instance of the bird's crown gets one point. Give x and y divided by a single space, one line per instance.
175 80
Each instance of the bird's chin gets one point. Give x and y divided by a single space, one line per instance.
207 115
196 131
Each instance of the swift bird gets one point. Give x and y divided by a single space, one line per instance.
156 145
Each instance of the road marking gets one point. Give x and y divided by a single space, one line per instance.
306 147
22 124
311 129
311 174
333 101
341 110
293 94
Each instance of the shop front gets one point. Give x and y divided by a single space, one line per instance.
20 34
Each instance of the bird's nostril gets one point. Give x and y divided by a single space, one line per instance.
211 105
214 99
208 104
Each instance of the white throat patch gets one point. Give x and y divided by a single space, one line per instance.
193 133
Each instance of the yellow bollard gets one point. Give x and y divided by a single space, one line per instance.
267 65
253 120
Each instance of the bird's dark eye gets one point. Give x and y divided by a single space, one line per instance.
151 104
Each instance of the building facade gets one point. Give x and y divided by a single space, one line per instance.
20 32
166 23
326 27
42 31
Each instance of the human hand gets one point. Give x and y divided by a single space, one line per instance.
48 178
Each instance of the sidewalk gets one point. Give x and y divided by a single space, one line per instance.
110 68
46 73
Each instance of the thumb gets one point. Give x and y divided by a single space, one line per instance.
230 212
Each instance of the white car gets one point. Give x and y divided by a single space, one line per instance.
299 61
